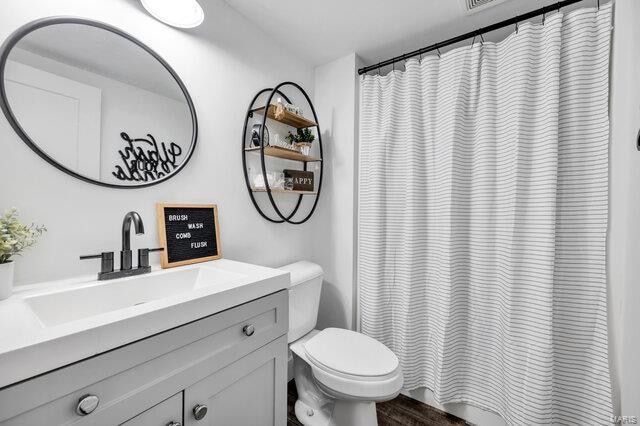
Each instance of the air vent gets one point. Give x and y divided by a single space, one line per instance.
472 6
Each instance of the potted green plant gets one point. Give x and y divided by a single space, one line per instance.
15 237
302 140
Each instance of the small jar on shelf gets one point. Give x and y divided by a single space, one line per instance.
275 179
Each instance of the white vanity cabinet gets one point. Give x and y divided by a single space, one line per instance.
234 363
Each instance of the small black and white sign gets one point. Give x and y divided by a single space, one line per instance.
189 233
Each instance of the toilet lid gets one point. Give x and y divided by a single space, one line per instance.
351 353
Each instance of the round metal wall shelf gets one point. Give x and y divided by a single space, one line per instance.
294 216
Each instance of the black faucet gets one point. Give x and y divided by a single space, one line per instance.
126 267
125 254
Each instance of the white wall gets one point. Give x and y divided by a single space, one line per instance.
624 207
223 63
336 99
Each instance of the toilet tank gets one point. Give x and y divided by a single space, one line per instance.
304 297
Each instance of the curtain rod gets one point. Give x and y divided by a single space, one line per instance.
477 33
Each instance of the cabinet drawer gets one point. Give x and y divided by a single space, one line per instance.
167 412
133 378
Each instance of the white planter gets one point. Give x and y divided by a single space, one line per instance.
304 147
6 279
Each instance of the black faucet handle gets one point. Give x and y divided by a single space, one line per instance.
90 256
143 256
106 264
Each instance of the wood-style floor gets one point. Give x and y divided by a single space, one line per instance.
401 411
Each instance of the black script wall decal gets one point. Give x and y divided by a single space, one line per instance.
144 160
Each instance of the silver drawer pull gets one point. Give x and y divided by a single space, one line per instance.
199 411
87 404
248 329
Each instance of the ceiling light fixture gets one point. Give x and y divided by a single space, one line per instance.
177 13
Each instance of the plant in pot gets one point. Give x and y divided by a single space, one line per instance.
15 237
302 140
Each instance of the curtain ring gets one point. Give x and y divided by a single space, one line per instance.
481 39
544 17
393 64
473 41
378 69
438 50
517 27
420 55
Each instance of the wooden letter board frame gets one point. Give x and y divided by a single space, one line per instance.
162 233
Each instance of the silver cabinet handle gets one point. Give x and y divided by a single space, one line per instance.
174 424
87 404
248 329
199 411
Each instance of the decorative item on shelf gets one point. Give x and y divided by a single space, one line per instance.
282 142
275 180
188 233
255 135
302 140
15 237
288 183
279 114
300 180
293 109
281 107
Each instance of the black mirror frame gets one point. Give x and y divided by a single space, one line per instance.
18 34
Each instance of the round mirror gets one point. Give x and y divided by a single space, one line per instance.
96 103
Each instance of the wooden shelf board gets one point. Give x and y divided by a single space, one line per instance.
284 191
288 118
274 151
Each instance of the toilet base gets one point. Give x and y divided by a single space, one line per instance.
313 407
310 416
354 413
345 413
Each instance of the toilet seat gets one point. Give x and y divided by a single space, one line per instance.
351 365
346 352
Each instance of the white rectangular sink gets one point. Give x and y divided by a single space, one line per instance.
82 317
108 296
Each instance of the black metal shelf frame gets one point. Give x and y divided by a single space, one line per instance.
281 218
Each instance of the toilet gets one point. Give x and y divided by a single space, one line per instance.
339 374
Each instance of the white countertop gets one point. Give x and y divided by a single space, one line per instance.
29 346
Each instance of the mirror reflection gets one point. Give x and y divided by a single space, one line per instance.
98 105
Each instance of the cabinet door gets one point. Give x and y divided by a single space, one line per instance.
250 391
167 412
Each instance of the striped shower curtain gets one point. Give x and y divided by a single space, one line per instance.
483 218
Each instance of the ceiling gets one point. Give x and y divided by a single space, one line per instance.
323 30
